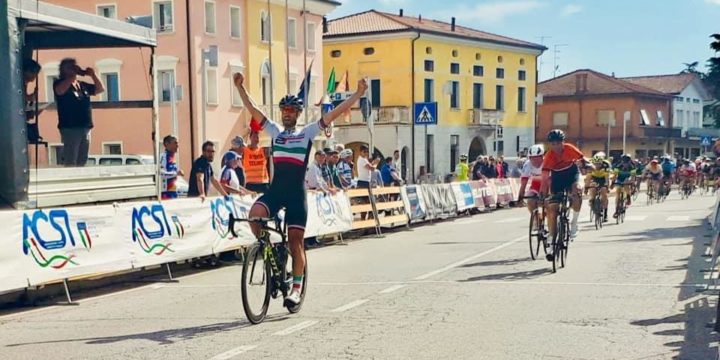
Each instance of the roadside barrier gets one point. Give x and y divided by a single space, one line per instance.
714 251
45 246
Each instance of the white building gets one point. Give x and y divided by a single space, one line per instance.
687 107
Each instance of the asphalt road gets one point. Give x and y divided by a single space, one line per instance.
461 289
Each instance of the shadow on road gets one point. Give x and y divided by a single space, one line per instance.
162 337
696 321
520 275
498 262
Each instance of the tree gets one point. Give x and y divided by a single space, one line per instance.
712 80
691 68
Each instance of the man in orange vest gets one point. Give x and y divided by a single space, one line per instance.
257 164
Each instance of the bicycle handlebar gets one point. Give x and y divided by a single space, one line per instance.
262 221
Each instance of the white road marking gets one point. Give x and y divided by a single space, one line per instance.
468 221
678 218
295 328
516 282
392 289
349 306
510 220
636 217
233 352
467 260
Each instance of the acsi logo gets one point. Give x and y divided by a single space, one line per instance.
44 234
221 209
150 223
325 209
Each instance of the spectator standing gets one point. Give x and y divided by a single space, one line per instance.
228 176
72 98
397 164
345 167
499 169
201 175
333 160
238 146
505 166
365 168
477 167
31 69
326 168
489 169
314 179
256 165
386 171
169 171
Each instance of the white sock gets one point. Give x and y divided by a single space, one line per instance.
575 216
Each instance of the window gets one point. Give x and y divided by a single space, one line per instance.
265 26
522 61
679 98
429 90
680 115
454 68
49 92
455 94
311 37
500 73
133 162
235 20
477 96
454 53
163 16
429 65
313 90
500 148
112 87
369 51
500 59
375 93
265 85
687 100
429 153
112 148
209 17
696 119
478 70
294 83
336 53
110 161
660 118
522 75
645 119
167 82
55 152
235 69
560 119
696 101
454 151
605 117
292 35
108 11
212 86
478 56
521 99
499 97
428 50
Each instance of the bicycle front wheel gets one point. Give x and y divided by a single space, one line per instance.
256 284
534 234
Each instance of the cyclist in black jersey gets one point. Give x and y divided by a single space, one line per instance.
291 149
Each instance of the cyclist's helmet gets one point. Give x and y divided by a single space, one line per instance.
536 150
626 158
556 135
463 157
291 101
654 161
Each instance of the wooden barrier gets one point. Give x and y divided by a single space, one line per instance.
389 207
361 202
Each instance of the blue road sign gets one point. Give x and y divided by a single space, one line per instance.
425 113
705 141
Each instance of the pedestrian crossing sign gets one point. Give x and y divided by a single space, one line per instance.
426 113
705 141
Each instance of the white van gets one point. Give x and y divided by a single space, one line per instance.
115 160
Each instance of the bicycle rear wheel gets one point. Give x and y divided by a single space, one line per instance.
256 284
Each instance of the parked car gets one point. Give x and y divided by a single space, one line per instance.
115 160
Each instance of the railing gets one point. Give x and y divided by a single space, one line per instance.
661 132
485 117
383 115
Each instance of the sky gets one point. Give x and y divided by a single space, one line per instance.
625 37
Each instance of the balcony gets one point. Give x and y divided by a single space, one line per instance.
660 132
485 117
386 115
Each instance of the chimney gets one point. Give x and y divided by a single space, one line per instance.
401 12
452 24
581 83
325 25
613 74
420 18
584 83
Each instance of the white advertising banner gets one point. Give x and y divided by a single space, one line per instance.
327 214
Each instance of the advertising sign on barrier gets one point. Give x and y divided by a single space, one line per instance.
327 214
414 203
463 195
503 191
483 192
432 201
448 199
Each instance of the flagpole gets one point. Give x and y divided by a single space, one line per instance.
307 81
287 47
272 70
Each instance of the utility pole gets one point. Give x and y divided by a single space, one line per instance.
540 59
556 57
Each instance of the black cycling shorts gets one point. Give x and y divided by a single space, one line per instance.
601 182
564 180
655 177
667 174
258 188
294 202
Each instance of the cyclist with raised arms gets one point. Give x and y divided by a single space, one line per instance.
291 149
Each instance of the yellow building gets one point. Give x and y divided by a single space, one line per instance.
484 85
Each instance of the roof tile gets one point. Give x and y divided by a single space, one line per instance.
597 84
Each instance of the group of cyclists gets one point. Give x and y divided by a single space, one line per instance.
552 173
